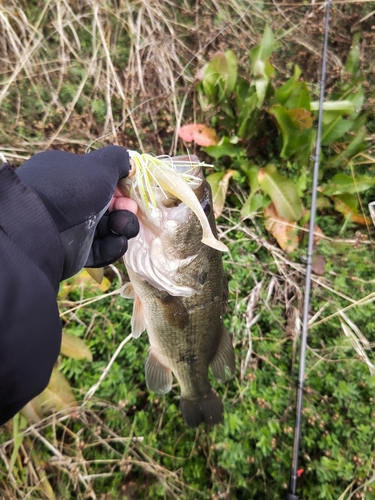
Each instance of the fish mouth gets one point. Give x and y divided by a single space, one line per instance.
184 164
188 166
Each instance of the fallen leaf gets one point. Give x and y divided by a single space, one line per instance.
346 204
318 264
74 347
219 182
201 134
57 396
284 232
318 234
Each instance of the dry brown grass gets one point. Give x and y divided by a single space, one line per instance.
61 60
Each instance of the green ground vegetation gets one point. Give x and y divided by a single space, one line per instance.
81 75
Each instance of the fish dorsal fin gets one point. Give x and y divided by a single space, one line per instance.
138 319
158 377
224 357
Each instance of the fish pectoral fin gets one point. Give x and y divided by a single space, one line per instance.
158 377
127 291
174 311
224 357
138 322
208 410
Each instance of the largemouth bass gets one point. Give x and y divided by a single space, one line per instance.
177 283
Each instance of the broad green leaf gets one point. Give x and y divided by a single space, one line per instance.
345 184
224 148
285 232
323 202
282 93
335 130
249 114
353 59
220 75
232 64
251 172
299 97
255 203
219 182
297 143
74 347
283 194
354 147
347 204
267 43
261 68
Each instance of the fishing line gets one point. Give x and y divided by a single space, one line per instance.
302 360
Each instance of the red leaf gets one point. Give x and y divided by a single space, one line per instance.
201 134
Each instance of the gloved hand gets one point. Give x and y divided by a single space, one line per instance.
77 191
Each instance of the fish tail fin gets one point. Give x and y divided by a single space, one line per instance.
209 410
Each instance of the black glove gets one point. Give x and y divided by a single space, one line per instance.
76 190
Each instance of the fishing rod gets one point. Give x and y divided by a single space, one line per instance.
291 495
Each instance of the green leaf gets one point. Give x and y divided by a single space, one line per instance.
267 43
251 172
299 97
255 203
248 115
335 130
224 148
232 64
19 425
347 204
354 147
345 184
74 347
219 76
261 68
282 93
353 59
323 202
297 140
283 194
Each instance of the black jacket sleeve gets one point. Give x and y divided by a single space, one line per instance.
31 264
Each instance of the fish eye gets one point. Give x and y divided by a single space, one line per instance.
206 207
